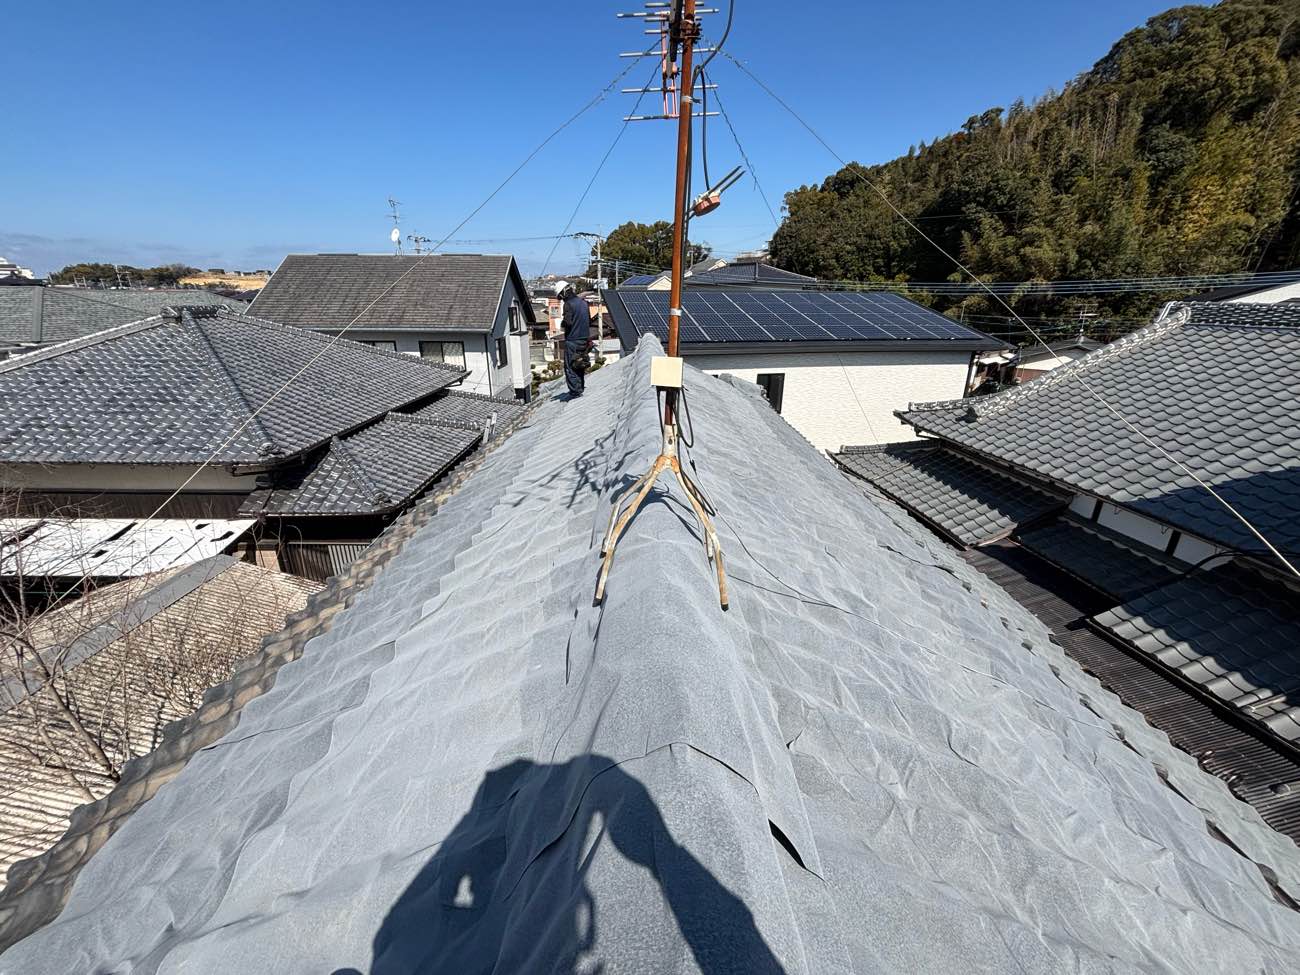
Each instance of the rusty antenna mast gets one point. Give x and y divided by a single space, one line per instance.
676 23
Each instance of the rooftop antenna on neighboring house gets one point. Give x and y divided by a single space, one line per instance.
676 24
395 235
418 242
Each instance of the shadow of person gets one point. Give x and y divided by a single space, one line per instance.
509 888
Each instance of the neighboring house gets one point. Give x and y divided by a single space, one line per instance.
1153 583
835 364
10 269
1036 361
664 279
875 761
1254 294
104 674
751 274
470 311
287 446
32 318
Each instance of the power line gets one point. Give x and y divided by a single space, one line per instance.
745 157
596 100
1075 374
599 166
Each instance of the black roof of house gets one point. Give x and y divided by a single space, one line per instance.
874 761
968 501
747 319
1213 384
170 390
37 316
752 273
461 292
371 472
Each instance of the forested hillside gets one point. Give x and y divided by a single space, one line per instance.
1178 153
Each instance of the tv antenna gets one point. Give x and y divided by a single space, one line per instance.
679 30
418 242
395 235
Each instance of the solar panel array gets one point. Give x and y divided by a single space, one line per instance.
793 316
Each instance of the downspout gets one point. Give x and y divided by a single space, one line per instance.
970 374
487 360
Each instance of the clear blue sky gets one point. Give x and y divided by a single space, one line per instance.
230 135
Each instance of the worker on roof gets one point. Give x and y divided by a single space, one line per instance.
577 337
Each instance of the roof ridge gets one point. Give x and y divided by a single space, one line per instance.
268 446
356 470
1171 318
75 345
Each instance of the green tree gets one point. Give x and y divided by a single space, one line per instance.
1177 153
650 245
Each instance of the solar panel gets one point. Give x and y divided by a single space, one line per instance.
710 317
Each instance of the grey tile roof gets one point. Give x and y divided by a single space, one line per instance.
639 280
45 315
1214 384
874 761
969 502
1108 561
1229 630
748 272
161 391
472 410
329 291
372 471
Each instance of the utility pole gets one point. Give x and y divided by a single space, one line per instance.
600 267
679 30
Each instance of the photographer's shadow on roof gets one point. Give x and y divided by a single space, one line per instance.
511 887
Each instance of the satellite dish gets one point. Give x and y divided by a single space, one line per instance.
395 236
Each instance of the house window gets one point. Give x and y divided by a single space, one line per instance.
452 353
501 352
516 320
380 344
773 384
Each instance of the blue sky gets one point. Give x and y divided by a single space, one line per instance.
228 136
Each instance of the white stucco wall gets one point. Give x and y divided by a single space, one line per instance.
484 377
835 399
1148 531
109 478
1282 292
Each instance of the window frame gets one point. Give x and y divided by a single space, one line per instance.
457 360
502 353
774 380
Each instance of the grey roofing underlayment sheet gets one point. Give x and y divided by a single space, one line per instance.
874 762
969 501
1229 630
473 409
169 392
1108 561
458 291
1218 392
371 471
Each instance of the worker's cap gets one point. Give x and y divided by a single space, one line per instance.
561 287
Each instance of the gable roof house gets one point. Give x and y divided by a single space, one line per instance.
471 311
309 444
120 664
835 364
751 273
873 761
1034 361
32 318
1059 491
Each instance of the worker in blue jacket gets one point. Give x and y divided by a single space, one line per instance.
577 337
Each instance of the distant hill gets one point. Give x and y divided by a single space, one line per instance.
1178 153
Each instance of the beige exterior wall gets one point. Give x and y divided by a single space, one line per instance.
109 478
836 399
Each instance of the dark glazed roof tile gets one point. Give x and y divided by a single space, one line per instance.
1213 384
163 391
968 501
1228 629
1108 561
